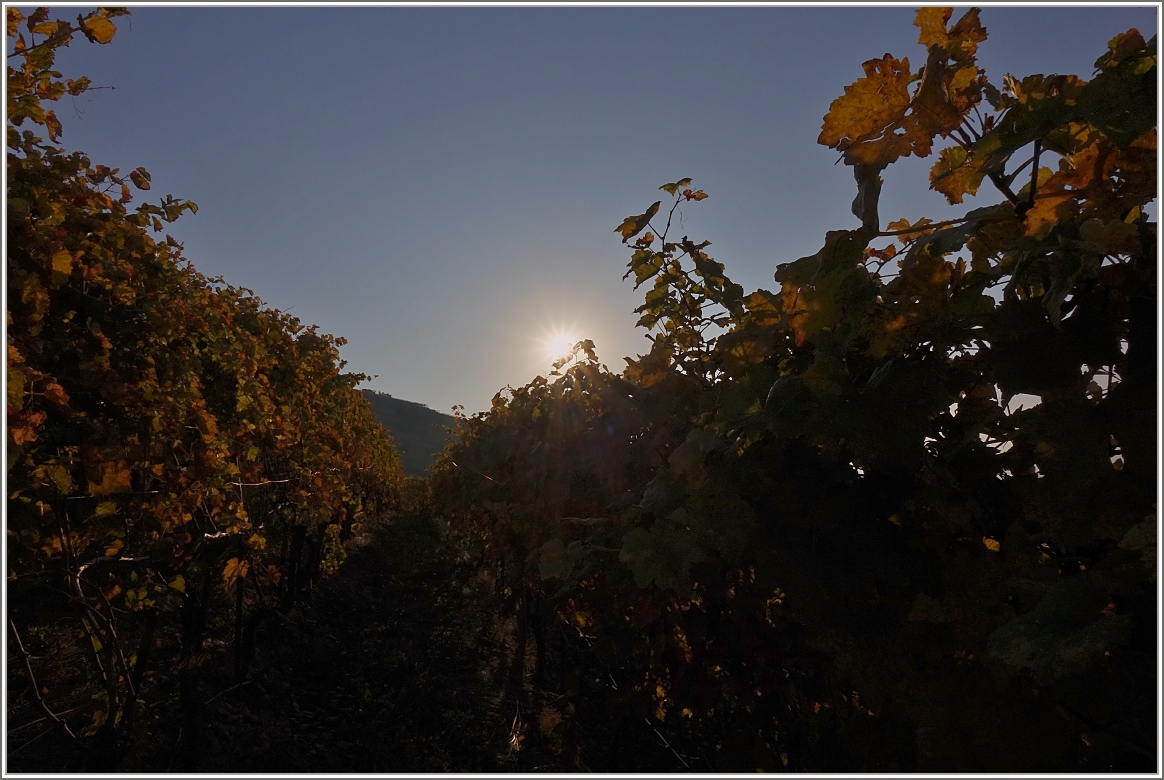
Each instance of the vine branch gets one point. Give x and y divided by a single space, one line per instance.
27 660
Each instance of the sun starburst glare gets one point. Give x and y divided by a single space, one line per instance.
558 344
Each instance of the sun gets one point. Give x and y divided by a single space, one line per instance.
559 343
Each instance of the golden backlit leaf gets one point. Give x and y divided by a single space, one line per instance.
877 120
62 262
234 570
959 42
935 109
13 19
1047 211
955 174
965 35
632 226
932 24
898 224
907 232
868 104
98 29
763 308
991 544
673 187
963 77
1083 167
115 478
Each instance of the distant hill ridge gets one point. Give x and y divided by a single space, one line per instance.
419 431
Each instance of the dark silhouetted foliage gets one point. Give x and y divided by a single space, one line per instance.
812 529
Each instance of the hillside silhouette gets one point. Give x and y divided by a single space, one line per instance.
418 431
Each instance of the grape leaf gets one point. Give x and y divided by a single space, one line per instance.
632 226
115 478
98 29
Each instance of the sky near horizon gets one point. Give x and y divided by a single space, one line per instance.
440 185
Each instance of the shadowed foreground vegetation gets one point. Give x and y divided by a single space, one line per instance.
386 670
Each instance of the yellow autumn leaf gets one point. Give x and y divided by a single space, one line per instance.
98 29
632 226
956 174
179 584
207 426
114 547
960 41
115 478
868 104
57 475
234 570
15 389
45 28
932 24
62 261
763 308
991 544
898 224
963 38
14 18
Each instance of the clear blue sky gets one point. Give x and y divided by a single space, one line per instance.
441 185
